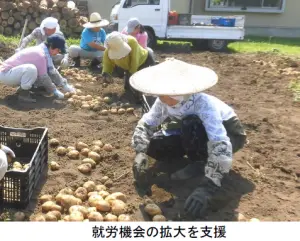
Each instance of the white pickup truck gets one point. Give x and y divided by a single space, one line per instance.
154 15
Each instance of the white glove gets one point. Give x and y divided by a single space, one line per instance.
58 94
8 151
3 164
65 62
69 88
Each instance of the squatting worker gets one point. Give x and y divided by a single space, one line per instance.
32 68
48 27
4 151
91 43
209 133
125 52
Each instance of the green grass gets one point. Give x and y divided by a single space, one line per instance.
294 86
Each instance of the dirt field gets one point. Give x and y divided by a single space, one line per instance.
263 183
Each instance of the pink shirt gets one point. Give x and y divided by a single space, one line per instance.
142 38
33 55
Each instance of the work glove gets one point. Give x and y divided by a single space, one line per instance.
107 77
69 88
58 94
198 202
140 168
65 62
7 151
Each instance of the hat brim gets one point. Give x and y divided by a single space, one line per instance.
102 23
173 78
123 50
63 50
129 30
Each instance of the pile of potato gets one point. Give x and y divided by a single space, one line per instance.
91 155
154 211
90 202
79 75
17 166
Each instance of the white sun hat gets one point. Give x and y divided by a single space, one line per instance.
117 46
50 23
96 21
173 78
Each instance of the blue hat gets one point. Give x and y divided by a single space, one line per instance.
57 41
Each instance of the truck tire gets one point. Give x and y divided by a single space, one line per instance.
217 45
151 38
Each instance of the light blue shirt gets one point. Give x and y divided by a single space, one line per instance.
89 36
211 111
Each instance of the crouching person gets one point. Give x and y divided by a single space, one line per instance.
91 43
209 130
4 151
33 67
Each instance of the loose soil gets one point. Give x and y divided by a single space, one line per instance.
264 180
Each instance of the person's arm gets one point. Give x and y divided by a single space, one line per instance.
96 46
28 39
134 58
108 65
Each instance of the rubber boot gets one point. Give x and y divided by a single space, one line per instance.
190 171
76 62
24 96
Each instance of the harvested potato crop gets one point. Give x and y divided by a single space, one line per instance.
109 183
159 218
26 166
57 214
254 220
102 206
61 151
114 111
108 147
38 218
86 106
85 151
119 196
54 142
67 190
104 179
92 193
100 188
110 218
124 218
19 216
95 216
118 207
98 143
81 193
94 199
77 85
95 156
76 216
121 111
129 110
68 201
74 154
68 94
106 99
17 166
241 218
50 217
54 166
85 168
70 101
92 209
90 186
45 198
67 218
89 97
104 194
79 208
50 206
78 92
104 112
71 148
90 161
96 149
152 209
80 145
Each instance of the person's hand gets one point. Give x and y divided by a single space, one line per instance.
8 151
69 88
107 77
58 94
140 167
65 62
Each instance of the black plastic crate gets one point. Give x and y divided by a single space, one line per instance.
30 147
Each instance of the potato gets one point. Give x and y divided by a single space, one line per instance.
104 194
254 220
70 148
95 156
46 198
81 193
54 166
159 218
68 201
124 218
85 168
78 92
74 154
104 112
100 188
54 142
57 214
92 193
85 151
17 165
61 151
50 217
99 98
90 161
94 199
129 110
50 206
68 94
102 206
77 85
76 216
110 218
19 216
119 196
104 179
118 207
89 97
80 145
67 218
121 111
109 183
70 101
114 111
90 186
38 218
95 216
98 143
240 217
26 166
67 190
96 149
92 209
108 147
75 97
153 209
79 208
106 99
86 106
